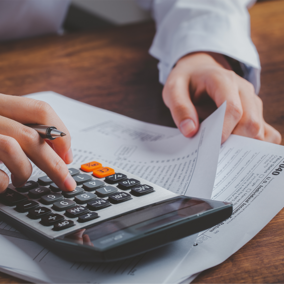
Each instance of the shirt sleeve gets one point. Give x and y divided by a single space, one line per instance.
28 18
221 26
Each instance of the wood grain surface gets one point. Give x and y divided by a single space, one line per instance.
112 69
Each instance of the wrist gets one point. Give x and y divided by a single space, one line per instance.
208 58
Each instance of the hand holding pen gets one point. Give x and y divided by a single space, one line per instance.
19 143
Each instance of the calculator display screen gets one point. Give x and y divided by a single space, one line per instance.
141 221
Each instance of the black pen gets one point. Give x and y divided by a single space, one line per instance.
47 132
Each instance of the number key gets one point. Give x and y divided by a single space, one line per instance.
63 204
93 185
38 192
45 180
76 191
51 198
84 197
73 171
80 179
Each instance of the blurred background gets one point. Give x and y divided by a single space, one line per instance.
89 14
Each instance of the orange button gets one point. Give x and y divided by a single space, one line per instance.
103 172
89 167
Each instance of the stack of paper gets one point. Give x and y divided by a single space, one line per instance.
185 166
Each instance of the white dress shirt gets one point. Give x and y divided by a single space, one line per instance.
27 18
183 26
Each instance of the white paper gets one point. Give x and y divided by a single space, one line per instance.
244 177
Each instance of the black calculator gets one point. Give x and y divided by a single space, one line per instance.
111 215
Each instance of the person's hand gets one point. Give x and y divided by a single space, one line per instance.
202 80
19 142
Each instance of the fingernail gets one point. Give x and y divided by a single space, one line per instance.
187 127
69 183
68 157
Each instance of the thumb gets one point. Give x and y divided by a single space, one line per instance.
177 98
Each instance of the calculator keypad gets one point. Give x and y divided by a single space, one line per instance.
90 195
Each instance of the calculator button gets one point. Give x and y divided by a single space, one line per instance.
76 211
38 192
103 172
142 190
106 191
45 180
51 219
73 171
26 205
63 225
81 178
54 188
98 204
93 185
128 183
63 204
89 167
11 197
84 197
115 178
27 186
51 198
76 191
119 197
38 212
88 217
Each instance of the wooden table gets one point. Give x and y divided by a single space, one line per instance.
112 69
